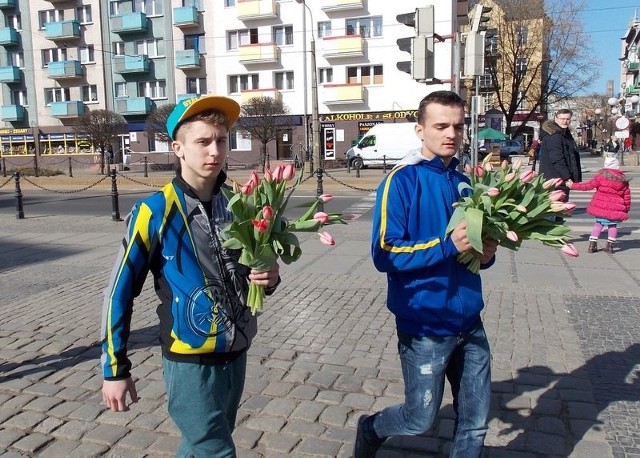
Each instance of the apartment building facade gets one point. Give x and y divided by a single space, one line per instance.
62 58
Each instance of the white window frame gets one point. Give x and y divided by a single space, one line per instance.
121 90
118 48
16 58
54 55
324 29
372 74
14 20
195 41
237 38
153 89
91 91
199 4
284 81
229 3
19 97
87 54
149 47
83 14
282 35
325 75
56 94
148 7
244 82
46 16
200 85
361 24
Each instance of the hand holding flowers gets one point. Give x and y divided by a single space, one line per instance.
260 229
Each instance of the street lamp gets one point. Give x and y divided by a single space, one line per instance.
315 122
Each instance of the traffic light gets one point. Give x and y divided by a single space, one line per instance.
420 46
474 54
477 19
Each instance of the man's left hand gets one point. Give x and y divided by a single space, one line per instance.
266 278
489 248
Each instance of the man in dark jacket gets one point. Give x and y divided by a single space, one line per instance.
559 156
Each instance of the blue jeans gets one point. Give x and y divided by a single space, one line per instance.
465 361
203 401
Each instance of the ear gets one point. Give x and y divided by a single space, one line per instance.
419 132
177 149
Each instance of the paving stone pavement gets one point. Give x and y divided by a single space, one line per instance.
563 332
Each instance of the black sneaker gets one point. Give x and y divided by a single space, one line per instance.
361 447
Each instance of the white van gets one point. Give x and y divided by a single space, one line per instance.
384 143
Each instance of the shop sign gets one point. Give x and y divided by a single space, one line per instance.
383 115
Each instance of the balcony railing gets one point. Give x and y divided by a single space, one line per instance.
634 66
343 46
70 109
257 9
188 58
10 74
245 96
62 30
64 69
330 6
259 53
7 4
134 106
12 113
343 94
131 64
129 23
632 89
9 37
186 16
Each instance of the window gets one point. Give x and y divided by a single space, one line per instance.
50 16
488 100
148 7
118 48
89 93
284 80
56 94
16 59
239 83
325 75
365 75
114 7
152 89
486 80
121 89
521 66
197 3
228 3
53 55
83 14
522 35
195 42
19 97
196 85
491 44
366 27
87 54
283 35
237 38
324 29
151 47
14 20
239 140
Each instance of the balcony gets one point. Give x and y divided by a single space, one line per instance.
133 106
7 4
62 110
332 6
10 74
632 89
343 94
259 53
633 67
131 64
245 96
63 30
9 37
344 46
129 23
187 59
65 69
12 113
185 17
257 9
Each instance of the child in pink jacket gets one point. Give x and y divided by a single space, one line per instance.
610 204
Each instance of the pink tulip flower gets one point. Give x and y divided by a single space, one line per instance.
321 217
289 172
527 175
326 238
262 225
570 250
267 212
504 165
493 192
479 171
324 198
509 176
557 207
511 235
268 175
569 206
278 172
550 183
521 208
247 188
467 169
517 163
488 167
254 178
557 196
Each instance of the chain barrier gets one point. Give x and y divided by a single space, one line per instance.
139 182
73 191
346 184
7 182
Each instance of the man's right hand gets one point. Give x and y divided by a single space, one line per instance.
460 239
114 394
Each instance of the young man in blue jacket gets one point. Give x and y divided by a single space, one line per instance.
205 325
436 300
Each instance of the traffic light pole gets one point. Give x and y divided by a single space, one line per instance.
474 123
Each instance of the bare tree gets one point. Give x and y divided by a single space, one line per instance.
265 119
156 124
102 127
540 51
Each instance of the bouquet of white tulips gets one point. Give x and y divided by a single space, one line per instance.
510 206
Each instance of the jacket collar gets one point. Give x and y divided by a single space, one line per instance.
179 182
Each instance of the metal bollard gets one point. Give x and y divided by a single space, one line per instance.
115 210
358 169
18 194
35 166
70 169
384 164
348 166
4 168
319 188
146 169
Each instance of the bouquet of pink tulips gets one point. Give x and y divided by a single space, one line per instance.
259 228
510 206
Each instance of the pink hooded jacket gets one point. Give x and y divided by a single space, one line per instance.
612 199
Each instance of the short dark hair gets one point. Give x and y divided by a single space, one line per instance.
446 98
564 111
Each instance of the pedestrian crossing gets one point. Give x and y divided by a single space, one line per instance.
362 206
581 222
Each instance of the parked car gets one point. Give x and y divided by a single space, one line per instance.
507 148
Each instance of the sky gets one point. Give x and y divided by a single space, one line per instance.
606 22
